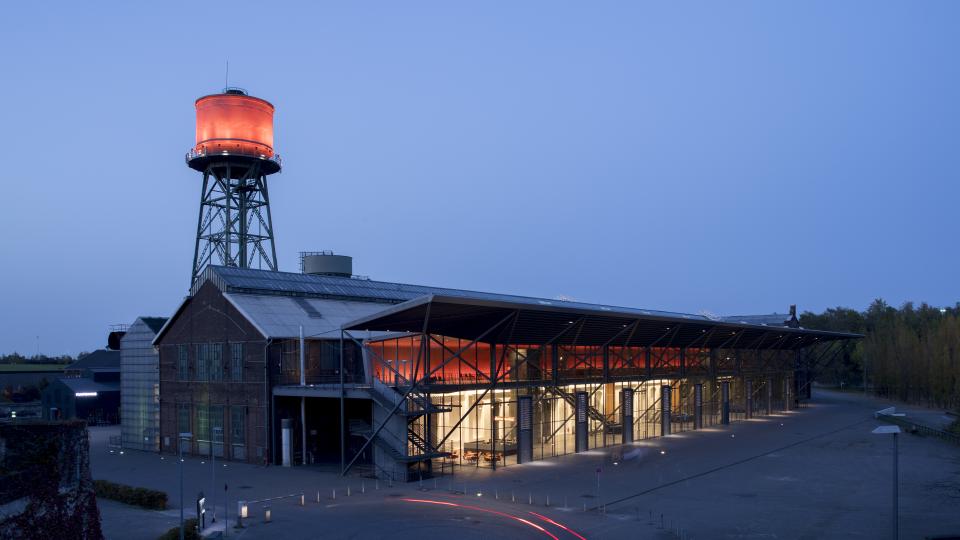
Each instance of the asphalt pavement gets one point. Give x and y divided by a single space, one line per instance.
816 472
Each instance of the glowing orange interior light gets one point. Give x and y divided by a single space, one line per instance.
234 124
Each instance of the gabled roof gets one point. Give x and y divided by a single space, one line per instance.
89 385
154 323
253 281
278 302
282 316
101 358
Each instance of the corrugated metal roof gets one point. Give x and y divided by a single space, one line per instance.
248 280
281 316
469 318
154 323
89 385
773 319
101 358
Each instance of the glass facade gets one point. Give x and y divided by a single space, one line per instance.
139 389
321 362
487 432
475 389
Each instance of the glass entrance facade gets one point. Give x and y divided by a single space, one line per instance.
474 388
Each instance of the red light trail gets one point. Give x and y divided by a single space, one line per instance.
478 509
561 525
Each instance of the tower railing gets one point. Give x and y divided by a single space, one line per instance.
194 154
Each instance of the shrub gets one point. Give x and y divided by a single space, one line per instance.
136 496
189 531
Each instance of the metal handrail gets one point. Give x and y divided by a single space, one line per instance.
193 154
914 427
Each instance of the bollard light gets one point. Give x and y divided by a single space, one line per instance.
242 510
266 514
893 430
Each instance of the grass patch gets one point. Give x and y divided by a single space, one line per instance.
31 367
189 531
954 427
145 498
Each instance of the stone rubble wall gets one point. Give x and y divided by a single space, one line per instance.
46 490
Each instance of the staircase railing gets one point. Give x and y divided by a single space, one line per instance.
415 405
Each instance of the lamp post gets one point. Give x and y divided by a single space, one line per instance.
186 436
226 505
893 430
216 430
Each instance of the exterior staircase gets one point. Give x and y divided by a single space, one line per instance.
402 448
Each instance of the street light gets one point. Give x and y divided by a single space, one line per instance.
217 430
893 430
186 436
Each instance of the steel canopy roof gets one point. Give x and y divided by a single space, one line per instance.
526 322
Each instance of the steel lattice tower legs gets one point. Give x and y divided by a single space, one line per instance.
234 227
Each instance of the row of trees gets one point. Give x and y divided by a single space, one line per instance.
17 358
911 354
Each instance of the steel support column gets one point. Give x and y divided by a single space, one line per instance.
725 402
581 433
626 415
665 409
698 406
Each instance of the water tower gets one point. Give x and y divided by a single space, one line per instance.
234 151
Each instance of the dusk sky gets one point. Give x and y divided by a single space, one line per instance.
736 157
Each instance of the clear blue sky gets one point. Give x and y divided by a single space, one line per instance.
729 156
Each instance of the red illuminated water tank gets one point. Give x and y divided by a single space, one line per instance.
233 124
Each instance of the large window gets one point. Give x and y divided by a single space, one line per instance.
215 363
236 362
183 418
183 425
202 435
210 362
238 433
216 429
202 358
183 363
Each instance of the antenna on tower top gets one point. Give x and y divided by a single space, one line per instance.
226 77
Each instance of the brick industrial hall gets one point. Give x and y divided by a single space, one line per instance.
326 368
404 380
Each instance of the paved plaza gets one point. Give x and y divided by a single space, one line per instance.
816 472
